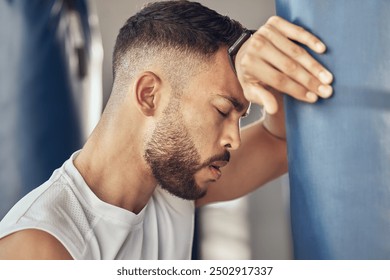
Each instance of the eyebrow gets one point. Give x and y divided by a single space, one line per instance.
238 106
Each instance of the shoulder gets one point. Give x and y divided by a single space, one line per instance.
32 244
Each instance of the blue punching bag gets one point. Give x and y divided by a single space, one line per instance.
44 54
339 149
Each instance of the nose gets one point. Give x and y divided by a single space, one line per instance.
231 138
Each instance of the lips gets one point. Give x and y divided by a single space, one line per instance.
215 168
219 164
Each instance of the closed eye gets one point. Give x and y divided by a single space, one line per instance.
223 114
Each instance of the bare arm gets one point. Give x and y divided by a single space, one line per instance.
32 244
267 64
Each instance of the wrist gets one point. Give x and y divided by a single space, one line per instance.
275 126
274 134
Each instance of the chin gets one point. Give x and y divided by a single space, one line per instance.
189 192
203 188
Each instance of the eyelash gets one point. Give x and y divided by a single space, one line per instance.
224 115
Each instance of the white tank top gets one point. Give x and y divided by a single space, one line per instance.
89 228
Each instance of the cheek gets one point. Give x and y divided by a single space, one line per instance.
204 133
148 131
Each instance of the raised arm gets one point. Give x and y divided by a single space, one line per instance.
270 62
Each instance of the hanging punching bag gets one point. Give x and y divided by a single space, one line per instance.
45 57
339 149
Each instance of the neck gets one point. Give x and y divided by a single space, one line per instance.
113 166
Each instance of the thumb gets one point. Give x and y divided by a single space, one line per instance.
258 94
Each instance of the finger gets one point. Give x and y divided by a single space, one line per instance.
260 71
296 52
294 70
258 94
297 33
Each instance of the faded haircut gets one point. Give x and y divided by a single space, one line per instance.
176 34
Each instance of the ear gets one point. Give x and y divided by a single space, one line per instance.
147 92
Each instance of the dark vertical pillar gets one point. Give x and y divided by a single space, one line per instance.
42 67
339 149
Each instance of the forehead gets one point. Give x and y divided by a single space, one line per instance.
218 78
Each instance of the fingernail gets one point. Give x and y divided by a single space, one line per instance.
326 77
325 90
320 47
311 96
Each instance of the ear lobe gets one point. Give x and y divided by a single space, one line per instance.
147 87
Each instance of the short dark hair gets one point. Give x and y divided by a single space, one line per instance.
181 25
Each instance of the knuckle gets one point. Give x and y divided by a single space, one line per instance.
300 29
312 83
258 43
244 62
290 66
299 92
280 80
315 67
266 30
297 51
274 20
306 37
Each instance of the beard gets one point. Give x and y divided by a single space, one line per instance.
172 156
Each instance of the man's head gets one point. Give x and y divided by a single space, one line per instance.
171 56
180 35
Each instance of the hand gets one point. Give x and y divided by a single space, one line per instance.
270 59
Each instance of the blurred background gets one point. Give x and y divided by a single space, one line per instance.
55 78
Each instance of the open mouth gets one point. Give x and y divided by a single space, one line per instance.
215 172
215 167
219 164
